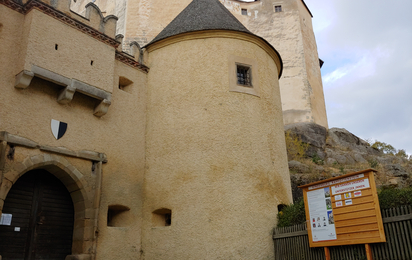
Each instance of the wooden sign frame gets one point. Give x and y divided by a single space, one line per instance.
351 208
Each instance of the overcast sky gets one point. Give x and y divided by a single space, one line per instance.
367 76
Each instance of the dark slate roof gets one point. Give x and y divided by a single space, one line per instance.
201 15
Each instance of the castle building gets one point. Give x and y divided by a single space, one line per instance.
285 24
171 151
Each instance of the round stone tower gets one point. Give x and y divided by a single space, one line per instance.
216 166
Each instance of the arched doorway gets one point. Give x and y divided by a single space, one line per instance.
42 219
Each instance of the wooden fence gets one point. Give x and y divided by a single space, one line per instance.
291 243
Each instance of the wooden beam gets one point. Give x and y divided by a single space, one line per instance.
327 253
368 249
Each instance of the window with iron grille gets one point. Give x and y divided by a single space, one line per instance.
278 8
244 11
244 75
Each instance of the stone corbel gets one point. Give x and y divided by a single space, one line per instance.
71 85
23 79
66 95
102 108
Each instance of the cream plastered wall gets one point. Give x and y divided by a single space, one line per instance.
215 158
107 7
139 20
317 99
89 55
289 31
119 134
147 18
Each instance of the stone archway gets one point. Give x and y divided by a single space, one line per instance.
42 214
85 208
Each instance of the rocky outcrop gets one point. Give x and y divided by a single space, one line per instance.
337 151
298 167
312 134
397 171
342 138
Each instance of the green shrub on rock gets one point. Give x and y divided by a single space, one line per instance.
391 197
292 214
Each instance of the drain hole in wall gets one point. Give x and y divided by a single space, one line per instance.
118 216
281 207
162 217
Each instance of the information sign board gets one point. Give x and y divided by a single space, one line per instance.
343 210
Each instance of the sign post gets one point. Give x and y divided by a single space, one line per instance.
344 210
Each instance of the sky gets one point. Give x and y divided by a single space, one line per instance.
367 74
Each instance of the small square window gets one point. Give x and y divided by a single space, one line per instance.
244 11
278 8
244 75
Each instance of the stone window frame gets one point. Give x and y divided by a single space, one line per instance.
253 88
244 11
277 8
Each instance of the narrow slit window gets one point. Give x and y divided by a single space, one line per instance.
244 11
278 8
244 75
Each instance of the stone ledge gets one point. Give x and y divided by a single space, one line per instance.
83 154
23 80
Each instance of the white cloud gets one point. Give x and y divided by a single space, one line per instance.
367 74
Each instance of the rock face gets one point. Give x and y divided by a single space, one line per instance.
342 138
339 152
312 134
298 167
396 170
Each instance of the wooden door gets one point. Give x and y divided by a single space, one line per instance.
42 219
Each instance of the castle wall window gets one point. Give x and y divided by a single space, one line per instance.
244 11
244 75
125 84
278 8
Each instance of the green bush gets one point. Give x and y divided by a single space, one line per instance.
317 160
392 197
295 147
292 215
373 163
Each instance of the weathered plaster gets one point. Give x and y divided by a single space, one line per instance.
26 114
214 157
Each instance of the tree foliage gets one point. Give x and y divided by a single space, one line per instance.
384 147
295 147
401 153
389 149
